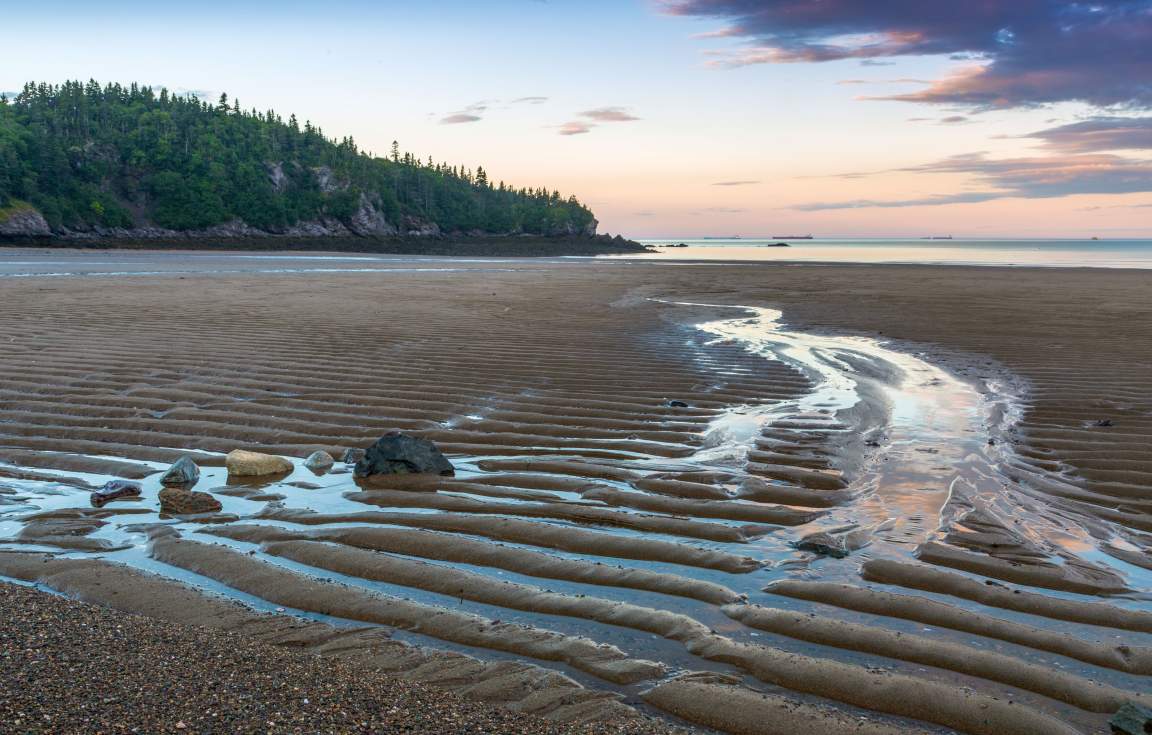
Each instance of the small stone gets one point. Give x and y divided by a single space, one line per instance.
184 472
241 463
352 456
115 490
319 462
675 404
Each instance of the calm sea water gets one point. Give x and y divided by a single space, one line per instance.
1057 253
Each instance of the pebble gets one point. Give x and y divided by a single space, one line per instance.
70 667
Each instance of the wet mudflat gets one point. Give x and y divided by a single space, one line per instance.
668 494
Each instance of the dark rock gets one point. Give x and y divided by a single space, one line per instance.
400 454
352 456
675 404
1132 719
1103 423
319 461
179 502
183 473
824 544
115 490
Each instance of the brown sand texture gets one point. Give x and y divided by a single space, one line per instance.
600 552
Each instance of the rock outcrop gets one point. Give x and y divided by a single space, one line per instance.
368 222
23 220
400 454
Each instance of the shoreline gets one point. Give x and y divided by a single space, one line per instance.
447 245
555 387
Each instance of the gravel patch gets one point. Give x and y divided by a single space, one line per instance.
69 667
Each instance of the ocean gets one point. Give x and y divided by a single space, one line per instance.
1132 253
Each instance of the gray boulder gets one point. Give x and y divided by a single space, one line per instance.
319 461
400 454
824 544
183 473
352 456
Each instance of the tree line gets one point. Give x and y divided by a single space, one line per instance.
87 155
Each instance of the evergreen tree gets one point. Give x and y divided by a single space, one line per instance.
87 155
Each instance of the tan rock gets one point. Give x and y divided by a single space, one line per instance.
254 464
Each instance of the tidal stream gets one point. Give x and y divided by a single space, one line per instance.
897 454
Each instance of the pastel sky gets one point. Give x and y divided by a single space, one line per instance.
684 117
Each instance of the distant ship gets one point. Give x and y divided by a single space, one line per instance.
793 237
938 237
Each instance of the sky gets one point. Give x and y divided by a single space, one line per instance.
680 118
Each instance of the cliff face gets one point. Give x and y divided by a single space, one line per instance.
22 220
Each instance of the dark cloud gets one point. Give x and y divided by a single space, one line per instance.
1022 52
460 117
609 114
1099 134
735 183
576 127
1026 177
953 120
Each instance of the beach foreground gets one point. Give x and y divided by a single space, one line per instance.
633 470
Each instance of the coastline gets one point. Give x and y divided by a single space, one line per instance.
440 245
571 364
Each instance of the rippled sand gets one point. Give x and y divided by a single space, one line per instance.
637 551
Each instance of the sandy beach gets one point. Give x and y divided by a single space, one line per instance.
665 513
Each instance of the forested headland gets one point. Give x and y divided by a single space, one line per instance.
84 161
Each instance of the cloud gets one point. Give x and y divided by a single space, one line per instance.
1099 134
930 201
905 80
460 117
1041 177
953 120
1018 52
609 114
529 101
595 118
470 114
576 127
736 183
1114 206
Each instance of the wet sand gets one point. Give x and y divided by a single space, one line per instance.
596 530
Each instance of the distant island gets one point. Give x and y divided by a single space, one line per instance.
85 164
